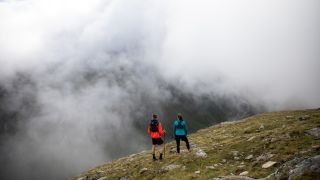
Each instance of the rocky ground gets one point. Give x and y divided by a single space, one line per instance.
278 145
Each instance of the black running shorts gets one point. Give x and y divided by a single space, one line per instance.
157 141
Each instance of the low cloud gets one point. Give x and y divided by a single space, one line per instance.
79 80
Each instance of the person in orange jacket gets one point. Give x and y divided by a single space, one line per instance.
156 130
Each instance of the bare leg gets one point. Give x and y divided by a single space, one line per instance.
162 148
161 151
153 149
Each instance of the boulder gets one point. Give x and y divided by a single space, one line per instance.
244 173
264 157
235 153
299 168
261 127
143 170
169 167
316 147
304 117
193 145
310 166
249 157
201 153
268 164
210 167
314 132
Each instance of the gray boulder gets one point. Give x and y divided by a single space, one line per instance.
169 167
201 153
264 157
304 117
297 167
314 132
308 166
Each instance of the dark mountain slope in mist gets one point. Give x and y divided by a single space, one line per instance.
97 112
269 146
17 102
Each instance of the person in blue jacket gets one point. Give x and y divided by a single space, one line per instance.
180 131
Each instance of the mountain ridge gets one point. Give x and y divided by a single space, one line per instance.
264 146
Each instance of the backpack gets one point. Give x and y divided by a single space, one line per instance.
180 126
154 126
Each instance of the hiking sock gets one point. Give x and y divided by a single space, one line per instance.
160 156
154 157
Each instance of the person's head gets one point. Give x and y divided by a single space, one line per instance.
154 116
180 116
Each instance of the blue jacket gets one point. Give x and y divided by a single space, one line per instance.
180 131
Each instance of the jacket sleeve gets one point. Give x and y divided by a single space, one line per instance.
149 132
185 127
160 129
174 128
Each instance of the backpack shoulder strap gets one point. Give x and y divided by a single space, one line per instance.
176 122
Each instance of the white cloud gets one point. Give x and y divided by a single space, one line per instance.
93 62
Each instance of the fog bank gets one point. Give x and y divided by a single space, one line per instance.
79 80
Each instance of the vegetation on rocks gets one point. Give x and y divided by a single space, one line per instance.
267 145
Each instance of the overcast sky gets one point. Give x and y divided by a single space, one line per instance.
76 52
271 48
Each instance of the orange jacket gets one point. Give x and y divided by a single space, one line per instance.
156 134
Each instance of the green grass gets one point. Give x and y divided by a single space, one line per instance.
218 142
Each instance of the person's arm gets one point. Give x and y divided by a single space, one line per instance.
185 127
161 130
174 129
149 132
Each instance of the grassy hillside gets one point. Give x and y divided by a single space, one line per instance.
231 148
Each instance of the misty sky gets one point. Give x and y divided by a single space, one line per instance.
99 60
270 48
